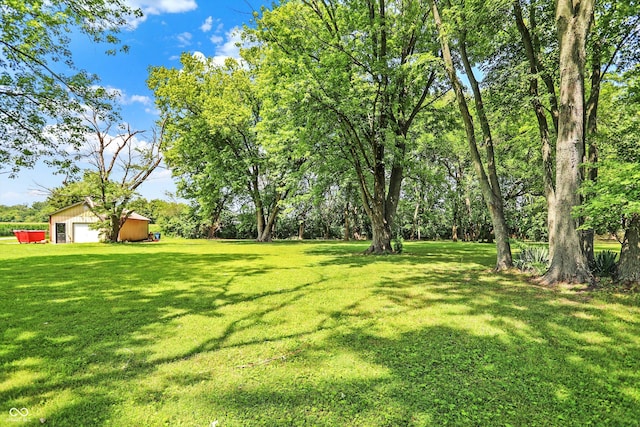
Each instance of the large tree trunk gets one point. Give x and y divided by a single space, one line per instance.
573 21
267 232
260 220
591 173
492 196
629 264
496 206
381 239
532 50
115 223
380 225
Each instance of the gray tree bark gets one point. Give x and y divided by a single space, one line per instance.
573 20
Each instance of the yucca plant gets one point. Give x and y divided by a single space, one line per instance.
605 263
532 259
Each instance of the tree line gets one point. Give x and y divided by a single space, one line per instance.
421 118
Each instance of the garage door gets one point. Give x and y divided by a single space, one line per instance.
83 234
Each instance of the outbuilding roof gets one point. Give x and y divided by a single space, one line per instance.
132 215
135 215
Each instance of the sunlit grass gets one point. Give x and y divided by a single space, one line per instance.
305 333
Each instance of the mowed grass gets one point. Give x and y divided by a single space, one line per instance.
202 333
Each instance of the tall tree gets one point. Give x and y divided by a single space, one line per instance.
213 112
612 202
41 92
541 70
573 23
488 176
612 45
119 161
357 73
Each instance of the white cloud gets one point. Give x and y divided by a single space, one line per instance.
121 96
144 100
207 25
159 7
184 39
230 48
216 39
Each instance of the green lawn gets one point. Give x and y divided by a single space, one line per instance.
193 332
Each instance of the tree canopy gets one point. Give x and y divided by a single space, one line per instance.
379 119
41 92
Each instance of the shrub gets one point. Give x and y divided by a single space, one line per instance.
605 263
532 259
398 245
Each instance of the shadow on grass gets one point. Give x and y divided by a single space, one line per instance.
447 343
415 253
69 322
491 354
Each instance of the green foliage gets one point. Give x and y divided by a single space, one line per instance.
213 146
185 332
533 259
42 95
605 263
398 245
37 212
6 228
347 87
612 198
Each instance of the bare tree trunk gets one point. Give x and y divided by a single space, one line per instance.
381 239
591 173
415 231
628 271
532 52
114 227
496 206
267 231
573 22
260 220
491 195
347 230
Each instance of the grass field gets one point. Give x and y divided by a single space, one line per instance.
203 333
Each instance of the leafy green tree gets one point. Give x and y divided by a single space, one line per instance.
213 145
119 164
41 92
487 175
610 46
573 23
612 202
354 76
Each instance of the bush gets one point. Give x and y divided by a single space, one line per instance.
532 259
605 263
398 245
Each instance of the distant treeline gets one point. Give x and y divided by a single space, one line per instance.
6 228
37 212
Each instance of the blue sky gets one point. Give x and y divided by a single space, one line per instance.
168 28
